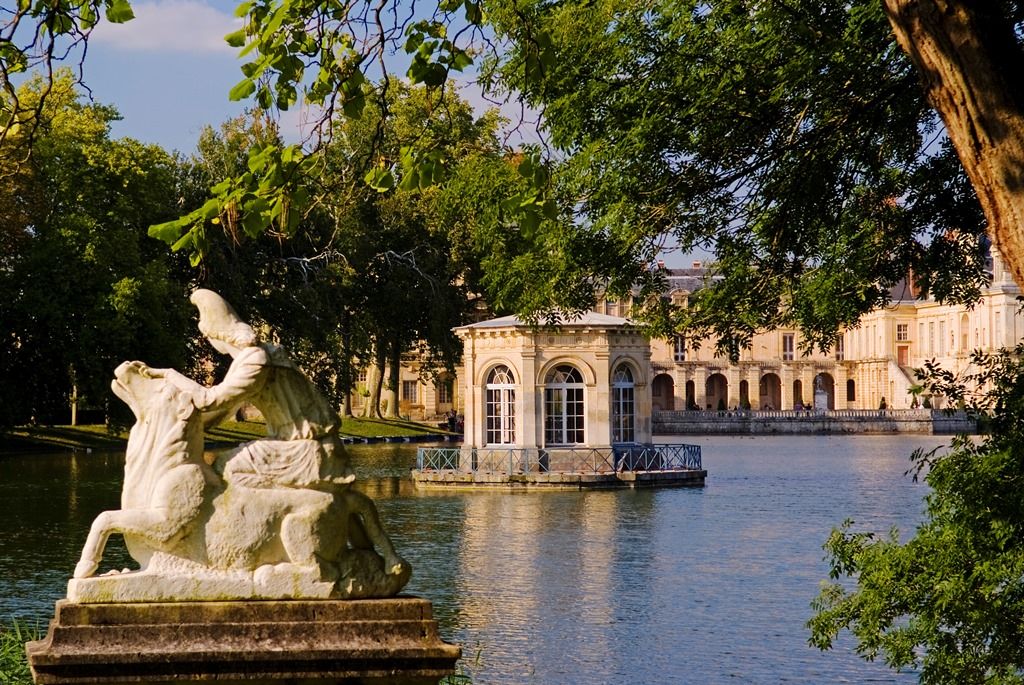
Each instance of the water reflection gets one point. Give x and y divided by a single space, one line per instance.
681 585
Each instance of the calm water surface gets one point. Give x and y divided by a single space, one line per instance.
707 585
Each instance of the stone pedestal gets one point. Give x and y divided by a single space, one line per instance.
380 641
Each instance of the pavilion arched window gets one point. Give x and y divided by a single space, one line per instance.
623 405
500 406
563 406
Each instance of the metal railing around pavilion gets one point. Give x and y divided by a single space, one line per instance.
515 460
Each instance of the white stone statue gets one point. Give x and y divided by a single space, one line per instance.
274 518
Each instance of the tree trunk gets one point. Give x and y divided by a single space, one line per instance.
380 355
74 403
374 381
394 375
345 371
972 72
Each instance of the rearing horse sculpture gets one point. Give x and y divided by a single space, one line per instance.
197 537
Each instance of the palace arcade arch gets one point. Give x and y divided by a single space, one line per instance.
717 391
824 391
663 391
770 392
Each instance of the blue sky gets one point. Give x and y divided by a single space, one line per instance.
168 71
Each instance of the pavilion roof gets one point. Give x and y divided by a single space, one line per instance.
587 320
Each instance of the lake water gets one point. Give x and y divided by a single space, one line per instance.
707 585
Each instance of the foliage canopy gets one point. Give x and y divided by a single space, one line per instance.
947 601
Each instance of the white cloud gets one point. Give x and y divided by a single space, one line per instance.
170 26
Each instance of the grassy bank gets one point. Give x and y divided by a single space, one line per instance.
97 437
13 662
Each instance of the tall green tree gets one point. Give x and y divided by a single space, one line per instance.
371 275
790 139
414 265
83 286
299 290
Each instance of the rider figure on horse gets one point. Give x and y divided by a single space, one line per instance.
301 449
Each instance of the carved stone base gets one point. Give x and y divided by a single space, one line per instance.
169 580
381 641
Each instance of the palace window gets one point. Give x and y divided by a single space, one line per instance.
444 391
931 337
787 347
500 407
623 405
840 349
410 391
563 406
902 332
942 337
679 348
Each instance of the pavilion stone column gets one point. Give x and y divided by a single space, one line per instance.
472 396
529 422
642 409
679 377
599 402
809 372
806 384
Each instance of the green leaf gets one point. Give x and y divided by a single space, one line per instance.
169 231
264 98
380 179
353 107
460 60
474 15
411 180
243 9
525 167
413 42
435 75
209 210
119 11
529 222
88 17
236 39
550 209
242 90
183 241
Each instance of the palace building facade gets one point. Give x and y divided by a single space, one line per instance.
873 361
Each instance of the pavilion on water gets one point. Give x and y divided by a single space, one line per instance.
565 405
